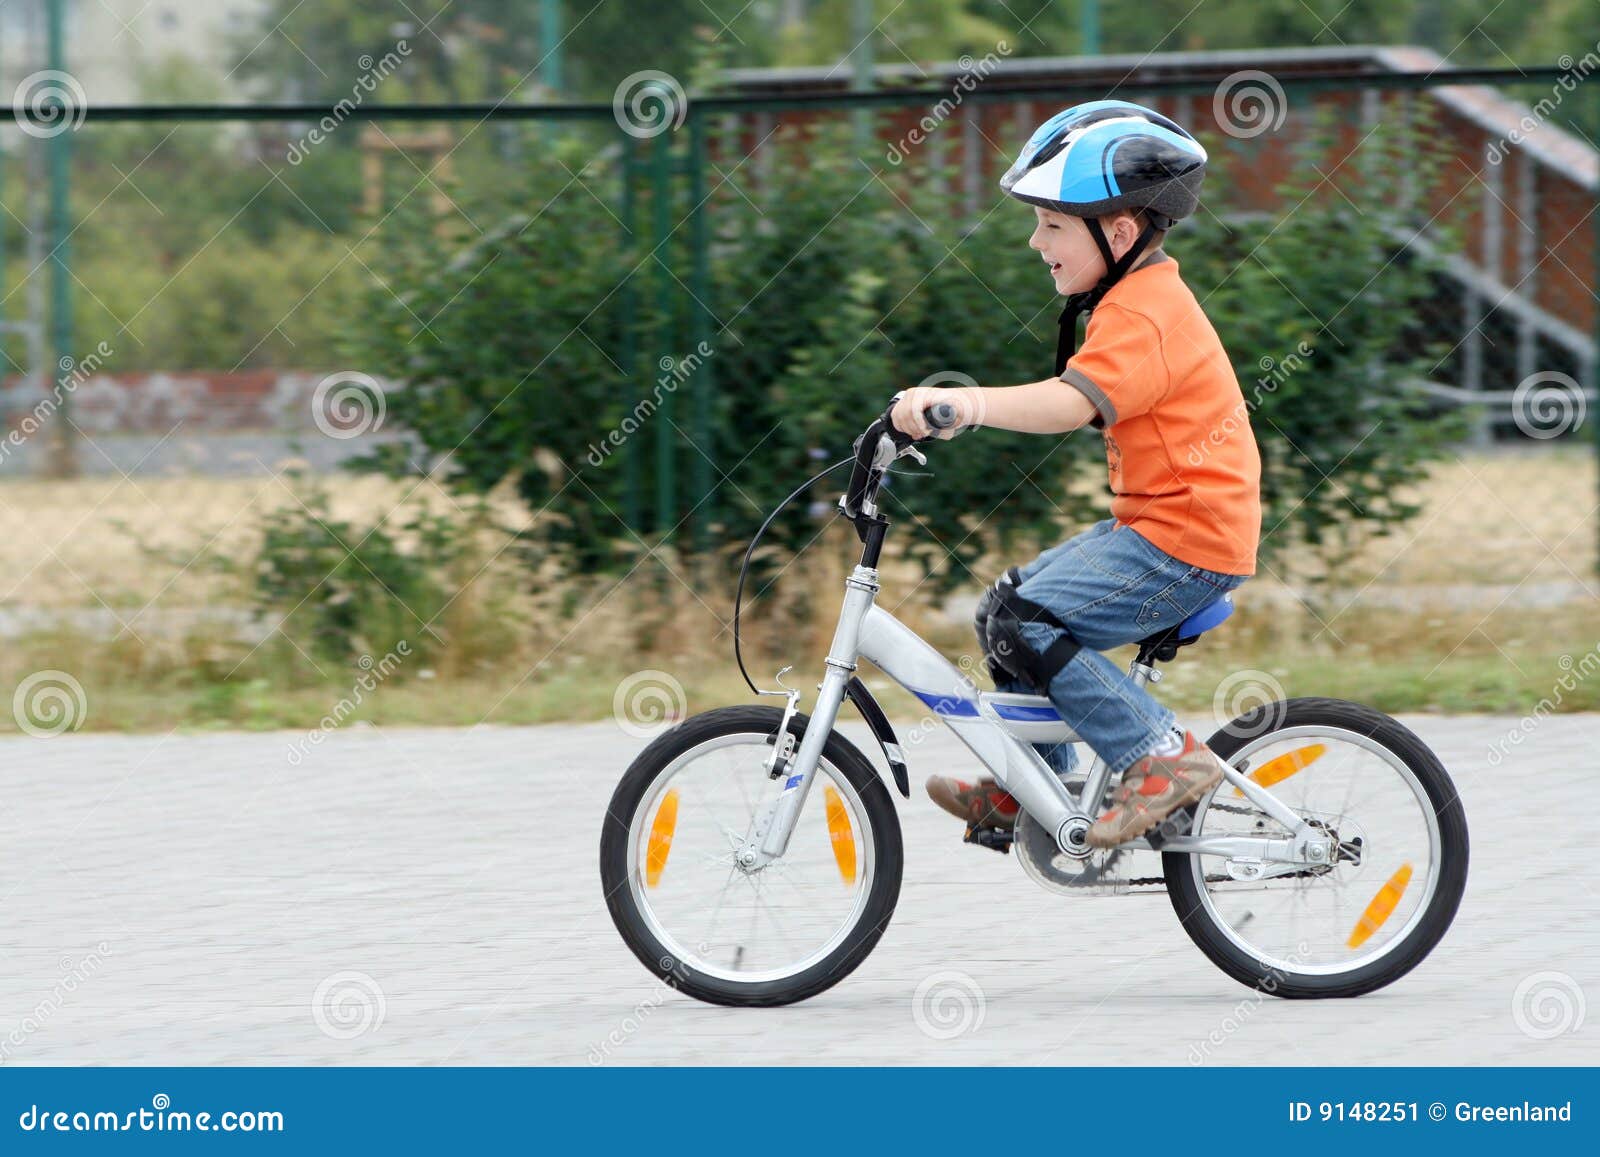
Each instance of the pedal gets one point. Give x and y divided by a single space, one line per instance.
995 839
1179 823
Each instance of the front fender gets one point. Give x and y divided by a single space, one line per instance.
882 731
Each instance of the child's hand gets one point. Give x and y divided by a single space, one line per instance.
907 416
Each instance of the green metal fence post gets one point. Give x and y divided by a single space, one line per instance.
64 458
661 193
700 335
1593 384
550 40
634 453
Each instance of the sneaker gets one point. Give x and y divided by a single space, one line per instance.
984 804
1153 789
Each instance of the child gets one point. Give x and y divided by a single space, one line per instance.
1106 180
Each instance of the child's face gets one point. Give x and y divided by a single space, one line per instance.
1065 242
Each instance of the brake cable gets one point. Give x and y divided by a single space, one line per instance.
744 567
862 453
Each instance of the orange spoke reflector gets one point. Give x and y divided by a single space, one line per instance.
844 842
666 822
1279 769
1381 908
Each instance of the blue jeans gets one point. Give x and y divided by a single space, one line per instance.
1110 586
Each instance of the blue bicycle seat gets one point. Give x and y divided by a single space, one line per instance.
1211 615
1164 644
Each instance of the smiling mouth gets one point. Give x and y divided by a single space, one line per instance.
1055 267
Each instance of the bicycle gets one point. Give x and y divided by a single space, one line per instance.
726 886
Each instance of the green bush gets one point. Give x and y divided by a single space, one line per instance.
834 289
341 592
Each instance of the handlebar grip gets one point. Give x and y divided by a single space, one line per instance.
941 415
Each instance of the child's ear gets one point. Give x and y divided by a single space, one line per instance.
1122 230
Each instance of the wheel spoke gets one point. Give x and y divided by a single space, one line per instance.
1320 908
777 920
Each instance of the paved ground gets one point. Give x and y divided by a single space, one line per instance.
431 896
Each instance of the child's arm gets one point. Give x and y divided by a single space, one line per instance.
1048 407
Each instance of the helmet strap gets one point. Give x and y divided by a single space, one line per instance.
1079 304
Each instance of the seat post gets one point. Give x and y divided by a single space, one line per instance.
1142 673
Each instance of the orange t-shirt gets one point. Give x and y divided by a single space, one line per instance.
1185 472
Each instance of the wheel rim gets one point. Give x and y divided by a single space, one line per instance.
1352 915
712 918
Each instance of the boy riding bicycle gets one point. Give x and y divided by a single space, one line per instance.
1106 180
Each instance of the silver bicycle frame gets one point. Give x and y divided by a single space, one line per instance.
1000 729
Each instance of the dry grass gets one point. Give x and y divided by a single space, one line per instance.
1519 518
1530 517
1453 611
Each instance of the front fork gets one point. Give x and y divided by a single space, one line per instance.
769 834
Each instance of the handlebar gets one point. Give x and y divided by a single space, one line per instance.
880 444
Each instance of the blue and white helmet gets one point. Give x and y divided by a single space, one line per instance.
1095 158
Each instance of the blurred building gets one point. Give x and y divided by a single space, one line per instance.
1518 190
111 42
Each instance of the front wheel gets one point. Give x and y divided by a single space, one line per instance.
700 922
1340 929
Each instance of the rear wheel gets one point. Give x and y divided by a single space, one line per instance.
1340 929
703 924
